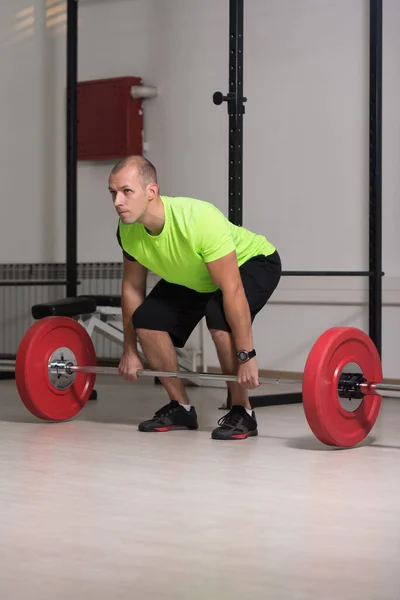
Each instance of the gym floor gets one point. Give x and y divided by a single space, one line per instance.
92 508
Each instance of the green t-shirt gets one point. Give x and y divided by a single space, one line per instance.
195 233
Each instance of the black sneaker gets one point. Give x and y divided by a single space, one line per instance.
171 417
236 425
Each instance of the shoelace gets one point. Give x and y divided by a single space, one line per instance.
165 410
230 420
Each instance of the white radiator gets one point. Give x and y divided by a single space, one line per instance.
24 285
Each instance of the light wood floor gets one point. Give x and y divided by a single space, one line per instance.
93 509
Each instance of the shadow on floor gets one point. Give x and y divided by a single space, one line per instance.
309 442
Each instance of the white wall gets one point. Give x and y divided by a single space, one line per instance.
307 82
391 137
115 40
305 141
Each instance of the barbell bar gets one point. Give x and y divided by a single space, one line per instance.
65 368
55 372
389 390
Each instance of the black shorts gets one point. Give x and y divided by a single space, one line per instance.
178 309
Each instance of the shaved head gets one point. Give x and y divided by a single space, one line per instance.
134 190
145 169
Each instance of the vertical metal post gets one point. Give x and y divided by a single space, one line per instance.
375 174
236 109
235 102
71 154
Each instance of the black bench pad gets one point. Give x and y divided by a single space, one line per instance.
64 307
102 300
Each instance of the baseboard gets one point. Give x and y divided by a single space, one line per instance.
276 399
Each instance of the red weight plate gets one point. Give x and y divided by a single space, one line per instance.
37 392
329 421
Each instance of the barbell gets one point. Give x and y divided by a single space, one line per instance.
55 372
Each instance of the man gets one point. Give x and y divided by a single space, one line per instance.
208 268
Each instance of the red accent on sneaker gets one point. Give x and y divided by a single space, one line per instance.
168 428
240 436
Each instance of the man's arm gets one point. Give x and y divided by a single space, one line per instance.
225 274
133 294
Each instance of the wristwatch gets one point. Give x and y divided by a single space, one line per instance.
245 355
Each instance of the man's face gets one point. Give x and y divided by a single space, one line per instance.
129 198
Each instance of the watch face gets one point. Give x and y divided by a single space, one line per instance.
242 355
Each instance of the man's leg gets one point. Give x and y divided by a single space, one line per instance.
240 422
164 320
227 359
260 277
161 356
160 353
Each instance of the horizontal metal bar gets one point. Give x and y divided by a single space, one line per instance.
329 273
7 366
386 390
382 389
179 375
31 283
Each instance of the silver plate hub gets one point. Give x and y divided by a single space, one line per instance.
59 375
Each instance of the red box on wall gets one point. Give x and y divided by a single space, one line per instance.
110 121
